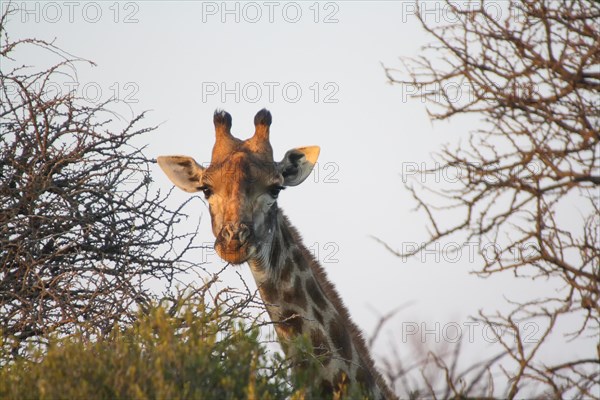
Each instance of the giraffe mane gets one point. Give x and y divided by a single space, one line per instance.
333 296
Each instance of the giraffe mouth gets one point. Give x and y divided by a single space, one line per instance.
234 252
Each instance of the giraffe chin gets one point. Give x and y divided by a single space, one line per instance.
234 254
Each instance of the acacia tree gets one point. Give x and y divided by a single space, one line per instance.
528 181
81 230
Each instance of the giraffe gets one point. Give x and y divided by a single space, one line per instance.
241 186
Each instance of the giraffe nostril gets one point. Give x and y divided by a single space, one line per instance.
228 232
243 233
232 232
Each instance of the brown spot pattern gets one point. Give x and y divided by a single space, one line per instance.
318 315
320 345
286 237
296 295
286 272
291 323
315 293
341 339
299 260
268 292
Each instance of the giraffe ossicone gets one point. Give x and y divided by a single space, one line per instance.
241 185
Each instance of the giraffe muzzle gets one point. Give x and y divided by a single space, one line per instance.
233 242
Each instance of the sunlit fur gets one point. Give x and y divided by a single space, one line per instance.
241 193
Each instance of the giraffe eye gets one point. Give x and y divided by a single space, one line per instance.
274 191
207 191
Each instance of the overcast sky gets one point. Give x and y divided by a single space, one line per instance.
318 68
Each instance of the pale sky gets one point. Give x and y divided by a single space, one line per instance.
317 68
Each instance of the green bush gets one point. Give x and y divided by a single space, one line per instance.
168 353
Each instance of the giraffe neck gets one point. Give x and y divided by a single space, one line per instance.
301 301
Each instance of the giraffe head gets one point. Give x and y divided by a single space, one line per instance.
241 184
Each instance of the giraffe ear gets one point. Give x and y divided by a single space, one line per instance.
183 171
297 164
